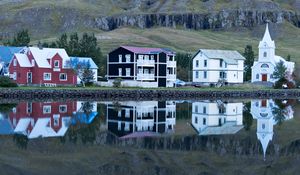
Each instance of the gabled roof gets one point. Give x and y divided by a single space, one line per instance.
86 59
41 55
148 50
6 53
267 39
23 60
229 56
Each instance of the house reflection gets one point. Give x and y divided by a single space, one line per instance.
140 119
217 117
46 119
268 114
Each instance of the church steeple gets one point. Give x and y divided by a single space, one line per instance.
266 47
267 40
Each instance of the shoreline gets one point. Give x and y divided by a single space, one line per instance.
122 94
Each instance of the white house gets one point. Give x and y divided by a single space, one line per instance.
92 66
217 117
262 70
262 111
211 66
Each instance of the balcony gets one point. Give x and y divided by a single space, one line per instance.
141 76
171 63
171 77
145 62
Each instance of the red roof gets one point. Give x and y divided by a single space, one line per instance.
147 49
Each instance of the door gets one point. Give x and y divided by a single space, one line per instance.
29 77
264 77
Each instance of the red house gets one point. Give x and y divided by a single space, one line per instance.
42 118
42 66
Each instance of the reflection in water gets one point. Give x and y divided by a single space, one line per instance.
268 114
217 117
45 119
78 121
138 119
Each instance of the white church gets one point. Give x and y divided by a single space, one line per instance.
262 70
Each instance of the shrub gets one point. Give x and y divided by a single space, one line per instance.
117 82
7 82
281 81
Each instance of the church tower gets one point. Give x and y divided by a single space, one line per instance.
266 48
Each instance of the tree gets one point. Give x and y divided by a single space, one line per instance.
62 42
74 47
247 116
249 55
184 64
288 58
82 70
279 70
21 39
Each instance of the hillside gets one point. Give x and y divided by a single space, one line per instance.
183 25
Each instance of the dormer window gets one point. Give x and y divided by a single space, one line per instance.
265 54
56 64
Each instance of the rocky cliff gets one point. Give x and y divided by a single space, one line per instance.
47 18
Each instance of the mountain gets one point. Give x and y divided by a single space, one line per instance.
183 25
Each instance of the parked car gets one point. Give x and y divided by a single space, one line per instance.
179 83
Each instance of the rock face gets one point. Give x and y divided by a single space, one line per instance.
219 20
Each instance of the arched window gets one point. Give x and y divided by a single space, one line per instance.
257 76
264 66
265 54
264 114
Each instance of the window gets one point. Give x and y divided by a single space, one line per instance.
205 74
152 57
120 71
127 71
63 76
265 54
197 63
120 58
271 76
257 76
204 121
221 63
146 57
196 109
56 120
196 120
204 110
263 126
15 62
15 76
128 56
197 74
62 108
56 64
47 109
47 76
205 63
264 66
225 65
29 107
127 113
119 113
33 63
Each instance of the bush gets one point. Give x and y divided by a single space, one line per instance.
7 82
117 82
282 81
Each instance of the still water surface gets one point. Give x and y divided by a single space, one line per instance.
150 137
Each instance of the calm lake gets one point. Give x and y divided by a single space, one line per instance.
150 137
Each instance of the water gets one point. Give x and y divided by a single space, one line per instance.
150 137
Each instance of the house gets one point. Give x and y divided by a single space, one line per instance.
42 66
90 62
263 68
142 67
140 119
6 54
262 111
46 119
213 66
217 117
